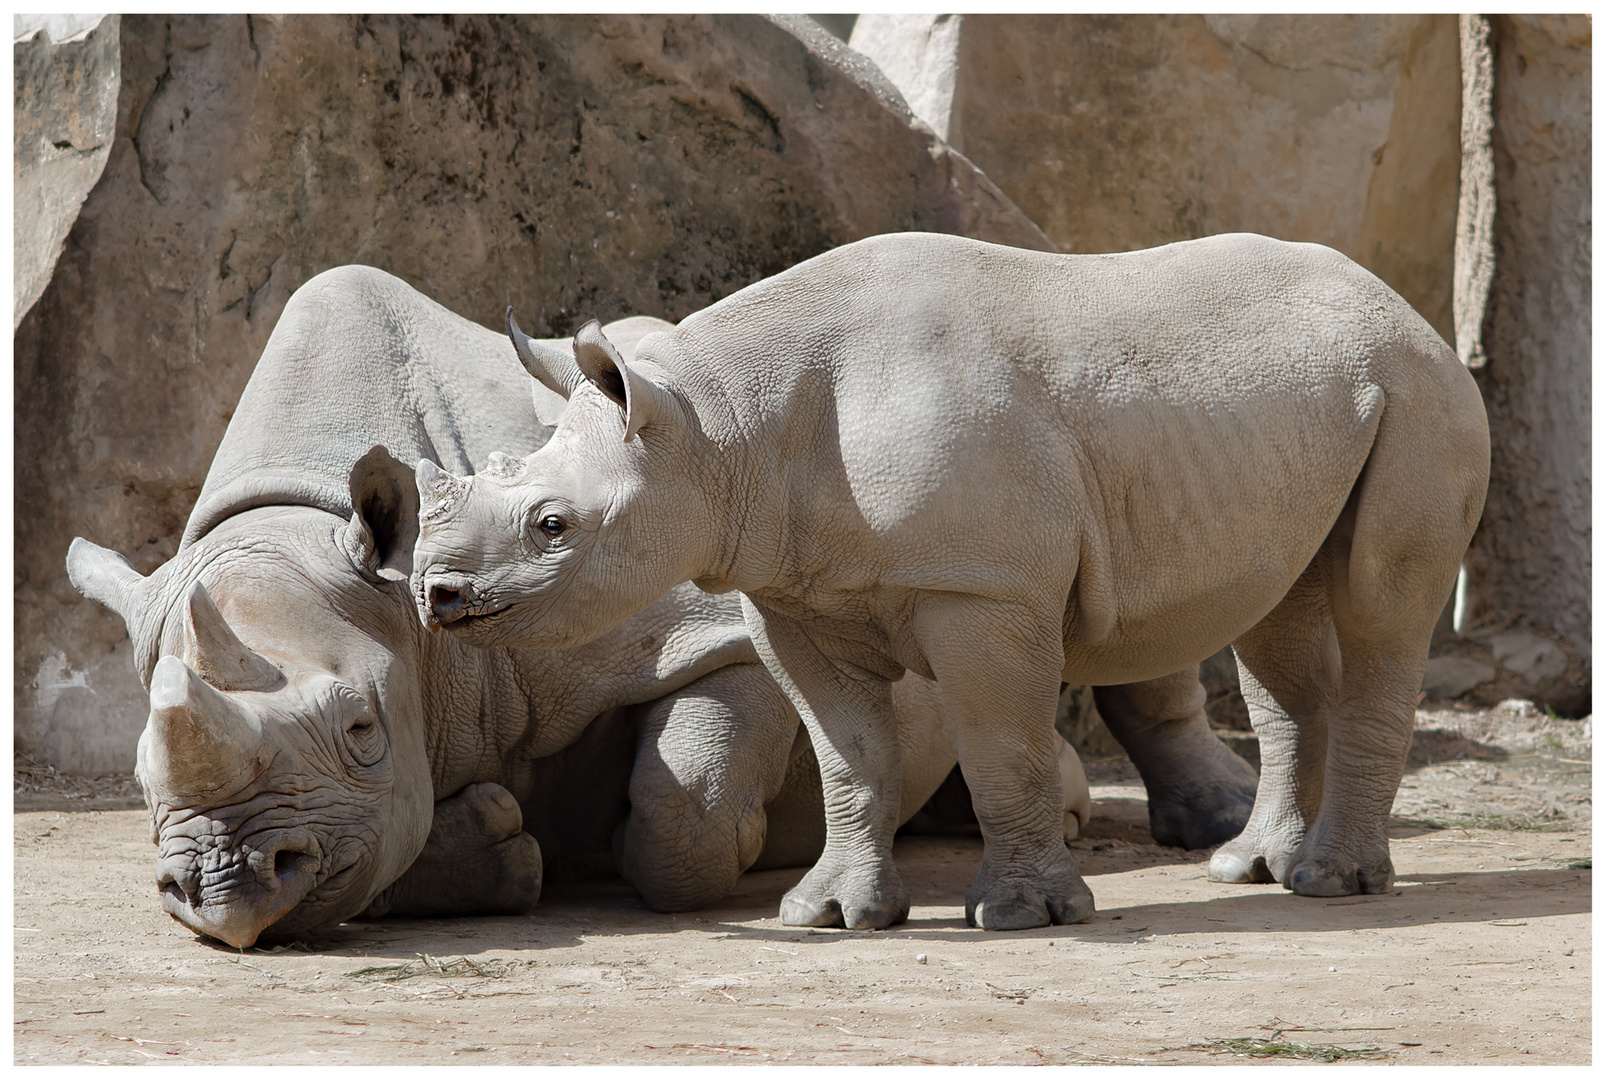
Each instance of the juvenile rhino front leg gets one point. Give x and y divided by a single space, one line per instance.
1200 792
849 714
477 861
1002 686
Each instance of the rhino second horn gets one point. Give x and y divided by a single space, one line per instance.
213 652
198 745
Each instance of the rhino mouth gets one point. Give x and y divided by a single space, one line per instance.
454 604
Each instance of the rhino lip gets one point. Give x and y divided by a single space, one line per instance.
473 618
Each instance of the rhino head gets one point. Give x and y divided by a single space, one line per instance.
610 514
283 758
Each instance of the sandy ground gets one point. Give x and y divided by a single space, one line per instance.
1481 953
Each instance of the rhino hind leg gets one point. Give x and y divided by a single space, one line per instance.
477 861
1394 554
1200 792
1289 668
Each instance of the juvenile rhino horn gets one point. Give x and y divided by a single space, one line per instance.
198 745
213 652
437 489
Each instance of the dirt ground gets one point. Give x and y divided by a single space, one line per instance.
1481 953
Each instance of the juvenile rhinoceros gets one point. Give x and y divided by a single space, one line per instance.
312 754
1002 469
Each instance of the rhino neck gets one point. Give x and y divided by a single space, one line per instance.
491 712
763 446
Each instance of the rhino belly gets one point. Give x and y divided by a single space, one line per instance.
1201 521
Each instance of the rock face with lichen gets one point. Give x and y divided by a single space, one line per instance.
574 167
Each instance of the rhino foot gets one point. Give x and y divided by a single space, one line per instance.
1328 870
1055 894
1201 817
477 861
1237 865
1263 853
851 897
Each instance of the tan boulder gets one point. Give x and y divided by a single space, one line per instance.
1122 132
65 79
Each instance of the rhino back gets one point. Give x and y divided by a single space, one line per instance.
1131 420
361 358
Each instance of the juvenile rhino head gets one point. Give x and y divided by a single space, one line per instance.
283 758
613 512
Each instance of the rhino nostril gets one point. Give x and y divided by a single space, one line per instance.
449 605
288 862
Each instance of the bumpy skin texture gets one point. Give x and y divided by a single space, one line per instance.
1002 469
313 754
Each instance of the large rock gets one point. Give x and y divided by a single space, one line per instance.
1122 132
64 99
1531 555
571 166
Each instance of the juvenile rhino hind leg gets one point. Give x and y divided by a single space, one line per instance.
1200 792
1402 536
1003 697
708 759
477 861
1289 671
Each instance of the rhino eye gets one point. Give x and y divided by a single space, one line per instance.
363 738
552 526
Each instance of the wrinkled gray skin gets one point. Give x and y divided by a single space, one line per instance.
1003 469
313 754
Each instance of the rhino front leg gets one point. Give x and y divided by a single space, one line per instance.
708 759
1003 687
1200 792
849 714
477 861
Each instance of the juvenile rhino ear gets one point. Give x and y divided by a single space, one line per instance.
552 367
106 577
642 399
384 516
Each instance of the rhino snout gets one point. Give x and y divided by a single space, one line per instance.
234 894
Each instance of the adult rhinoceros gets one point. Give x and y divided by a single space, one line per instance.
312 754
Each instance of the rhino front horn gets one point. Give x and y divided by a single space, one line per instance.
438 490
213 652
198 745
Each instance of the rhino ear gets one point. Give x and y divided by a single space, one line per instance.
104 576
642 399
552 367
213 652
384 516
